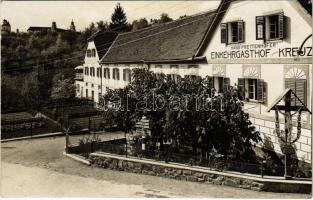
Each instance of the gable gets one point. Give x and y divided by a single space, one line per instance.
251 48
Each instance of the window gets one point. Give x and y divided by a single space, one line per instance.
299 87
174 66
99 96
174 77
193 66
271 27
232 32
86 71
127 75
193 77
93 53
77 87
220 84
116 74
106 73
92 95
88 53
99 72
87 93
251 89
92 71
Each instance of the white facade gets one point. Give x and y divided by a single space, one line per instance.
262 67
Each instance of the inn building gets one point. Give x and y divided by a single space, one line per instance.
253 45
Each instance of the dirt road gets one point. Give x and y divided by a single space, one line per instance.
37 168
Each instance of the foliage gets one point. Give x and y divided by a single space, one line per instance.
164 18
119 20
140 24
102 26
220 126
64 89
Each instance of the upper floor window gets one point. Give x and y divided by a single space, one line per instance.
271 27
232 32
116 74
106 73
86 71
92 71
99 72
88 53
93 53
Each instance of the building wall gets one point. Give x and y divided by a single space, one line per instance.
273 67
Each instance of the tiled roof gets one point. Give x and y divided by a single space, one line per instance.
175 40
103 40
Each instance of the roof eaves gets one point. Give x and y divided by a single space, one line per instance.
219 13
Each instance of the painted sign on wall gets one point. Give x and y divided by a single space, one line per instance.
267 50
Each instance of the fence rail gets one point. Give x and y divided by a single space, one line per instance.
211 162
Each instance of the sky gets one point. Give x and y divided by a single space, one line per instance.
22 14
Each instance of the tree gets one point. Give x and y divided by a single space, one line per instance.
63 90
190 116
102 26
139 24
165 18
90 30
119 20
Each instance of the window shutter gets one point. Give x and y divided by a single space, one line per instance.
241 88
301 88
260 90
211 82
226 83
104 73
260 27
118 74
281 26
241 31
224 33
290 83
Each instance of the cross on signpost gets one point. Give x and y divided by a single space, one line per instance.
286 135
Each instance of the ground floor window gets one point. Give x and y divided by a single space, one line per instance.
127 75
220 84
299 87
116 74
251 89
86 93
92 95
174 77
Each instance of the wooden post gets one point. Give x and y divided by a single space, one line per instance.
287 122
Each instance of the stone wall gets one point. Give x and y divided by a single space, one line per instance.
185 173
267 129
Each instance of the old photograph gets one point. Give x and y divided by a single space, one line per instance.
156 99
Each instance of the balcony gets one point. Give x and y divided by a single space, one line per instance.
79 77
